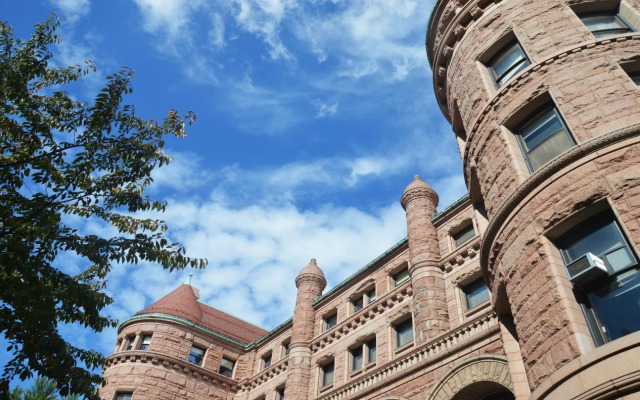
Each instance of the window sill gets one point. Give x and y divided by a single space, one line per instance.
403 348
355 373
326 388
477 309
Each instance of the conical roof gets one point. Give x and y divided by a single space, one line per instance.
313 270
418 188
183 303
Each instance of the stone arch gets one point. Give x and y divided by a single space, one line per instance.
485 372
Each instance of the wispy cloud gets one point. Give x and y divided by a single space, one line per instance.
325 110
72 10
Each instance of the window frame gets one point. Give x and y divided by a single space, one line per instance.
231 371
119 394
285 347
330 320
599 333
364 349
142 342
604 33
399 281
455 236
362 299
518 67
468 286
195 356
324 373
130 340
266 360
408 322
528 122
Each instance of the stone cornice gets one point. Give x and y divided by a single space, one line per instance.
418 192
429 353
519 79
487 253
265 375
459 256
387 302
172 364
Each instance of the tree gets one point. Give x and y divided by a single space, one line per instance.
62 158
42 389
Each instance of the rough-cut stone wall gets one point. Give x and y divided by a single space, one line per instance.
584 78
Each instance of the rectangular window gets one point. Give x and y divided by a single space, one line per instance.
130 340
357 358
144 343
507 63
327 374
371 296
404 332
371 351
266 361
401 277
226 367
603 24
543 137
124 396
610 304
196 355
285 348
464 235
330 321
476 293
280 394
358 304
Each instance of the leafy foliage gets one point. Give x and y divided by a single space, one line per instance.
42 389
61 159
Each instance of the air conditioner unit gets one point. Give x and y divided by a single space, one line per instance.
586 269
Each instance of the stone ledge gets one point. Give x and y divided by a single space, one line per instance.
387 302
429 353
172 364
266 374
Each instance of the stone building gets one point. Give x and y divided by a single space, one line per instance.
527 288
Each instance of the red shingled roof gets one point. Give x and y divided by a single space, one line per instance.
183 303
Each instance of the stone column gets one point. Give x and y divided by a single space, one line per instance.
310 283
429 299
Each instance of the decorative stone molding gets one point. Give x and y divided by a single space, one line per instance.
488 253
389 301
467 252
419 358
483 368
265 375
172 363
418 192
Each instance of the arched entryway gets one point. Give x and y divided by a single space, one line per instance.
484 377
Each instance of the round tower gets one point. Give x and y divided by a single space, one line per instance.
431 319
544 99
310 283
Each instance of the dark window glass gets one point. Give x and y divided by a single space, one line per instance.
196 355
358 304
401 277
327 374
356 358
476 293
605 24
286 348
507 63
226 367
266 361
124 396
371 351
611 305
280 394
144 343
371 296
404 333
130 340
543 137
464 236
331 321
635 77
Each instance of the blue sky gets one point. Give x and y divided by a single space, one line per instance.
312 119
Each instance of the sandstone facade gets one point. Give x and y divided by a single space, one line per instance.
475 303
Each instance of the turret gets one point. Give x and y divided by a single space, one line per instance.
310 283
430 308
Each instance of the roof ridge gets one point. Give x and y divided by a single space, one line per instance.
232 315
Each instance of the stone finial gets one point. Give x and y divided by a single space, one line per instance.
313 272
416 189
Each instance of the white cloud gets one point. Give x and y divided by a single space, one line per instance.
216 34
183 173
326 110
72 10
168 16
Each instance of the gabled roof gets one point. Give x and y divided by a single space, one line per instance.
183 303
